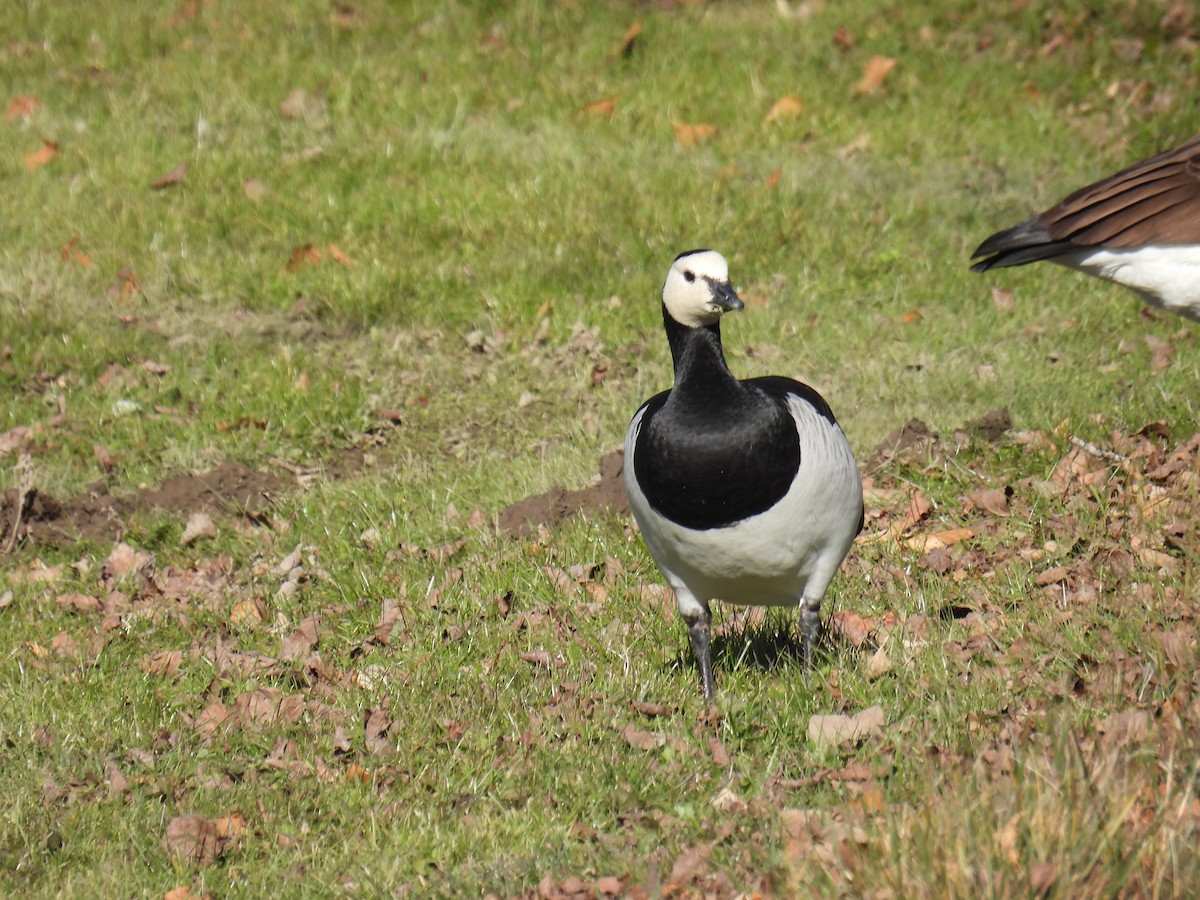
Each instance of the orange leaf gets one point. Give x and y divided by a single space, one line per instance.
170 178
625 48
875 71
303 255
338 255
786 107
773 178
70 251
912 317
42 156
690 135
22 108
603 108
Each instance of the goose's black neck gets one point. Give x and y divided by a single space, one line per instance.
698 358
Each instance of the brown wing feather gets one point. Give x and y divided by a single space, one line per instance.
1155 201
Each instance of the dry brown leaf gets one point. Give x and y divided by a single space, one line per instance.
609 886
539 659
126 560
948 538
842 39
651 710
255 189
303 255
690 135
786 107
63 644
70 252
162 662
169 179
179 892
625 48
211 718
200 526
879 664
874 73
991 500
689 865
851 627
1161 353
297 644
1042 876
22 108
912 317
195 838
78 603
842 729
375 731
1003 300
1129 726
641 740
338 255
244 611
600 108
43 156
720 756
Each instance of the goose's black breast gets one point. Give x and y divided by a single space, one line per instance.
706 467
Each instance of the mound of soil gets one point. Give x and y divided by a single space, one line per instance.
607 496
100 517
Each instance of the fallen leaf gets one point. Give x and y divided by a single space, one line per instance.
924 543
1042 876
842 39
255 189
641 740
1161 353
786 107
912 317
874 73
991 500
651 710
690 135
727 802
1003 300
199 526
70 252
43 156
851 627
297 644
126 560
22 108
338 255
625 48
1126 727
720 756
303 255
375 731
168 179
609 886
839 729
600 108
195 838
539 659
162 662
689 865
879 664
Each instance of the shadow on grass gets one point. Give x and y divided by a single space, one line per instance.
771 645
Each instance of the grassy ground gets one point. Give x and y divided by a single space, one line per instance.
428 208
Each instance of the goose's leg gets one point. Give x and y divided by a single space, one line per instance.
700 631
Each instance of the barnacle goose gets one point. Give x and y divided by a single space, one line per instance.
1139 227
745 491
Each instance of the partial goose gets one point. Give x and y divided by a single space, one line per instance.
745 491
1139 227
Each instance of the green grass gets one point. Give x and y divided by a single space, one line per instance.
445 151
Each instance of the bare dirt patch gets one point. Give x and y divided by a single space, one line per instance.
606 496
98 516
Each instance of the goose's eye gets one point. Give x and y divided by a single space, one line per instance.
689 277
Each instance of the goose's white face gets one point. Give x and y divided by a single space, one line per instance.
697 290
